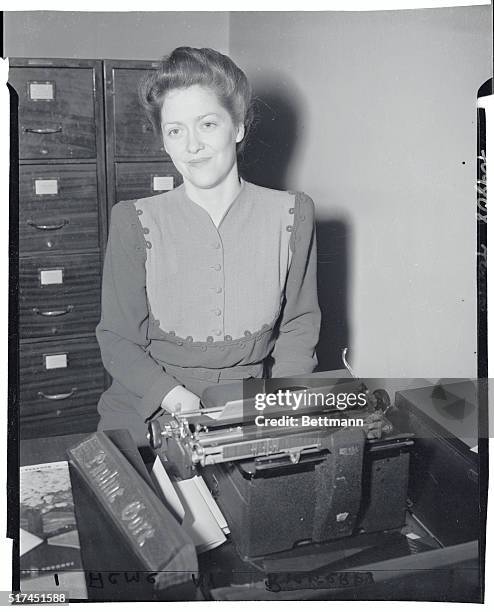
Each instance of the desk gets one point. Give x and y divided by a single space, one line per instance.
403 567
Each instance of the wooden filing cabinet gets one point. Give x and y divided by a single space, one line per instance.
58 114
61 382
62 230
66 219
84 144
143 178
137 164
60 295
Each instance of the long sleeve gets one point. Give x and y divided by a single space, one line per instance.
122 331
294 350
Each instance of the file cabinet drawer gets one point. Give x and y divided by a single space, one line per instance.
60 378
56 112
133 133
74 421
141 180
59 295
58 208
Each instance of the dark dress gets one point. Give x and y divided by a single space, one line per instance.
187 303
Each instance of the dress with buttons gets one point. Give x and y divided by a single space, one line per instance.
213 297
207 281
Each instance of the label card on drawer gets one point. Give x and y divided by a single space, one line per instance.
162 183
41 91
56 361
46 186
51 277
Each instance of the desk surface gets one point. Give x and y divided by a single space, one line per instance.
105 555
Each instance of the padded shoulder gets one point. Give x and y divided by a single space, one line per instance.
273 196
124 223
304 219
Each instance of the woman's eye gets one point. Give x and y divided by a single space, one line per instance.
208 125
173 132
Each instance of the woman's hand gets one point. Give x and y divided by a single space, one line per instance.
180 400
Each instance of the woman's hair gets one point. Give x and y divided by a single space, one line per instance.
187 66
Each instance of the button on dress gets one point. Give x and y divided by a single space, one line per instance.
187 303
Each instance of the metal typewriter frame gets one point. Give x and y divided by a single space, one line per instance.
200 440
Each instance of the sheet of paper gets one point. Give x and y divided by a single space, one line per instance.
73 583
231 410
168 489
28 541
211 502
199 521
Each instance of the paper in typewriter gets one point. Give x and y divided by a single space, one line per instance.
193 505
49 539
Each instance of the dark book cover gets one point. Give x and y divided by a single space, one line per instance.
154 535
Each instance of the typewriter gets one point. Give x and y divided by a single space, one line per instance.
286 476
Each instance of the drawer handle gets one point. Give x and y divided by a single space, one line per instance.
53 313
57 396
43 130
48 227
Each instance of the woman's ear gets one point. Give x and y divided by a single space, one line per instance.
240 133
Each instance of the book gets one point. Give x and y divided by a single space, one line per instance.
151 531
50 555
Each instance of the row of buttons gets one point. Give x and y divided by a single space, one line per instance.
217 311
216 267
145 230
210 339
291 228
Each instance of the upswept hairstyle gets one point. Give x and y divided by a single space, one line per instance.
187 66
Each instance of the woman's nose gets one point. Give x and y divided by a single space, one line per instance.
193 143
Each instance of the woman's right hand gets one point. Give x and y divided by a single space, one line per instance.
180 401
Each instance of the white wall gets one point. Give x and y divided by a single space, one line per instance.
376 121
126 35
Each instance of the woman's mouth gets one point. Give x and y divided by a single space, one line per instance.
199 161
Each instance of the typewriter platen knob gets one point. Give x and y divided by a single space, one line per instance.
383 400
154 434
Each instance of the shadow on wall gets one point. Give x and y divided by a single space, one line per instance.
333 248
266 161
274 134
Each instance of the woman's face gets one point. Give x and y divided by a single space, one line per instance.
199 135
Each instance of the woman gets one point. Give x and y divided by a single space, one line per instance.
203 283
